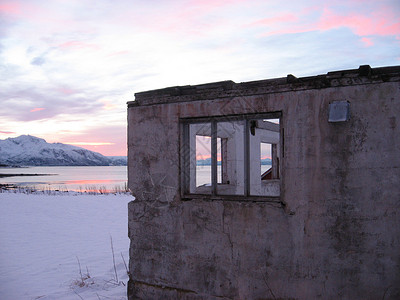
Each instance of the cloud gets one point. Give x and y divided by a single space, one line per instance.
91 143
78 45
37 109
367 41
118 53
83 62
376 23
9 8
108 140
272 21
108 105
47 102
38 61
363 19
67 91
7 132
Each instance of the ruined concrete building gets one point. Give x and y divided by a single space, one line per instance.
286 188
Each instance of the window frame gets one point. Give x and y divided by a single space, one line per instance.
214 120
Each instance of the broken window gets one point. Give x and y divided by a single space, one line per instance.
264 157
237 155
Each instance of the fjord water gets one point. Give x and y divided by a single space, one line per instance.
85 178
69 178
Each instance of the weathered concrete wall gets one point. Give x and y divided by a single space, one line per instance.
336 234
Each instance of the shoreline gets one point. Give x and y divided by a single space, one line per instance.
3 175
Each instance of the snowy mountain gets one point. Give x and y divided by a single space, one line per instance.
118 160
27 150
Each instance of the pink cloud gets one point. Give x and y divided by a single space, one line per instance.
7 132
289 23
367 41
278 19
110 140
10 8
107 105
37 109
90 143
381 21
378 23
78 45
192 17
25 10
66 91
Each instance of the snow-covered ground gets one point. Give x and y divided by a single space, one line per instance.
44 239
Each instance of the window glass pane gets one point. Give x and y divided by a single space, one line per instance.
219 166
231 141
264 136
203 160
265 157
200 158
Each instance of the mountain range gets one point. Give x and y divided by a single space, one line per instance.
27 150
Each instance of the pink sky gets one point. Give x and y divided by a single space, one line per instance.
68 67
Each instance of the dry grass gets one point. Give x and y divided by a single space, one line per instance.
48 190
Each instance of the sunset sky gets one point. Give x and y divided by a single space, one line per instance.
68 67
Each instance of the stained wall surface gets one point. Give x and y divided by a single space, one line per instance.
334 233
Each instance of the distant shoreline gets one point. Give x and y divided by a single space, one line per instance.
2 175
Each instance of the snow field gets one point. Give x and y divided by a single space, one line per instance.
43 236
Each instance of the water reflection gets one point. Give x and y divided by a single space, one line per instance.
81 179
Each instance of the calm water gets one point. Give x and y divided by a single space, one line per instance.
109 178
91 178
203 173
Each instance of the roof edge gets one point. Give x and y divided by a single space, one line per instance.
363 75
